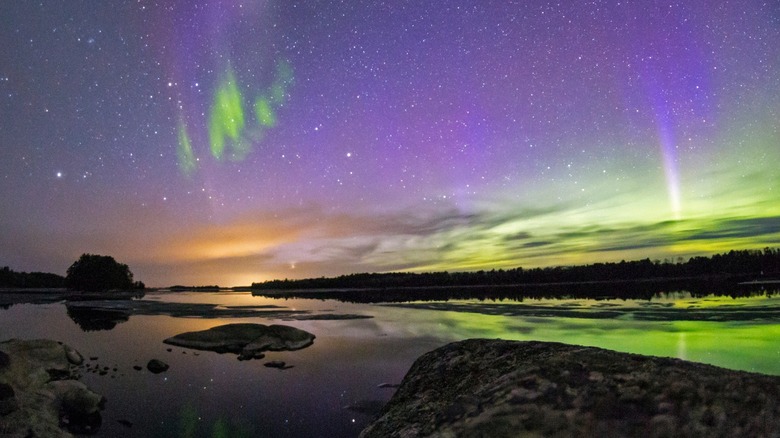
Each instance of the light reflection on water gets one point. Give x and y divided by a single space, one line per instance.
209 394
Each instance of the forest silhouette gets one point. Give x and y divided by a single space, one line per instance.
736 273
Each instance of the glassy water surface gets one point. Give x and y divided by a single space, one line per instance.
334 388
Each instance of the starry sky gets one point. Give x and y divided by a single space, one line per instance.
227 141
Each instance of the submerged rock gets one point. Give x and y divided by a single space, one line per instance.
40 393
156 366
506 389
247 340
277 364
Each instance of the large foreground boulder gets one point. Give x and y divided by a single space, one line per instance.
247 340
494 388
39 393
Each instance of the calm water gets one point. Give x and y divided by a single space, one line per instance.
208 394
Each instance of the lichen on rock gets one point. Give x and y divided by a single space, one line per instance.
500 388
40 392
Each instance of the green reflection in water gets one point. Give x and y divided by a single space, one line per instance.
190 422
745 345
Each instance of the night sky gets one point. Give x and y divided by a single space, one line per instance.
225 142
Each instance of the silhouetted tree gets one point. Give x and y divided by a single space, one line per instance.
93 272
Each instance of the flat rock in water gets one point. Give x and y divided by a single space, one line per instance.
480 388
247 340
40 393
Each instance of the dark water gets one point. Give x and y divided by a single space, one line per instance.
206 394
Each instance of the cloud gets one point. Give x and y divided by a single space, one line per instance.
311 241
740 228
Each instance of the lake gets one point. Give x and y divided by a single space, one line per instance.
333 387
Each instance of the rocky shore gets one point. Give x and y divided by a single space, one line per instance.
494 388
40 395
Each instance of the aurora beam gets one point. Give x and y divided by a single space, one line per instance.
669 157
185 155
226 122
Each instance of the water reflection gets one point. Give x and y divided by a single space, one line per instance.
92 319
215 393
105 314
721 309
701 331
596 290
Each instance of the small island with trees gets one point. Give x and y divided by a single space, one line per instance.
91 276
98 273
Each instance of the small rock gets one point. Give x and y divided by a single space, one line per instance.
388 385
156 366
73 356
125 423
169 350
277 364
137 367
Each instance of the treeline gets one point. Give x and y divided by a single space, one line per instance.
626 289
29 280
182 288
743 265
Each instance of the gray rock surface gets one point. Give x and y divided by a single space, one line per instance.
247 340
494 388
40 391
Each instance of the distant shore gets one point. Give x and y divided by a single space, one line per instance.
642 289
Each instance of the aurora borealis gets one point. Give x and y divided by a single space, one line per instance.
233 141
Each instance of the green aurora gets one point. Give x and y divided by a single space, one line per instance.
230 135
